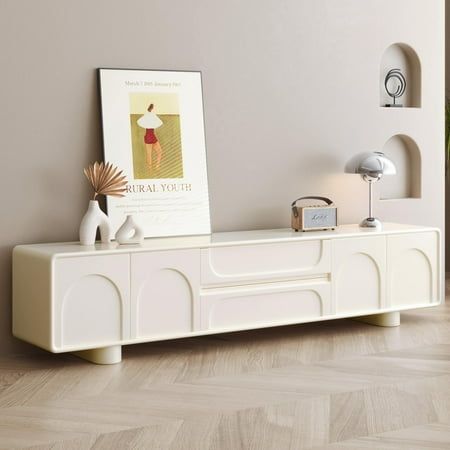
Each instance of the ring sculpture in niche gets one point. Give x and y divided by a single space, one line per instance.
395 85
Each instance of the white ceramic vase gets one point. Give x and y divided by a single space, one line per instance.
93 219
130 232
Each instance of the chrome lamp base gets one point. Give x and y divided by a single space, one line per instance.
371 222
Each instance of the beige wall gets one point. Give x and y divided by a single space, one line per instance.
291 92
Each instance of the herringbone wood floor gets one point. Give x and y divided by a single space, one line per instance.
331 385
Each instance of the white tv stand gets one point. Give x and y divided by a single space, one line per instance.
92 300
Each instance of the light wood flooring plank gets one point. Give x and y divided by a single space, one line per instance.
433 436
348 417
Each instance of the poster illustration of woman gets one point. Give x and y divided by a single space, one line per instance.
155 135
150 121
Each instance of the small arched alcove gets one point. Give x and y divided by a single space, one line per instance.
407 183
402 56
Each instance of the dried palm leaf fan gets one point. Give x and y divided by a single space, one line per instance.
106 179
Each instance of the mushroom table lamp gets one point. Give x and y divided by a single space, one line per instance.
371 166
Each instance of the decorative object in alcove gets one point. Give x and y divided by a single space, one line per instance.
105 180
314 217
404 59
371 166
130 232
395 85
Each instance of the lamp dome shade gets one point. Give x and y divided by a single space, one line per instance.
373 164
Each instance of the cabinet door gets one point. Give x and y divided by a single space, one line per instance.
91 301
359 274
413 269
164 291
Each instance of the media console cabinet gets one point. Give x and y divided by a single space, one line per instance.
91 300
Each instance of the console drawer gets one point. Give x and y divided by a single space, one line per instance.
252 263
264 305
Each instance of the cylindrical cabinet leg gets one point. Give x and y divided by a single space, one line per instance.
105 355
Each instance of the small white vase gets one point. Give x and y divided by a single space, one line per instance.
93 219
130 232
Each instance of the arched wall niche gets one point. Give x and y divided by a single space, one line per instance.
407 183
402 56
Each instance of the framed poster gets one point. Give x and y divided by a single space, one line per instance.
153 130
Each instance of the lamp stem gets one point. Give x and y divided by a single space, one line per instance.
370 199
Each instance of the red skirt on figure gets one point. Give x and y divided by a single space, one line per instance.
150 136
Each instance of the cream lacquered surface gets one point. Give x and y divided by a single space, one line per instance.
71 298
